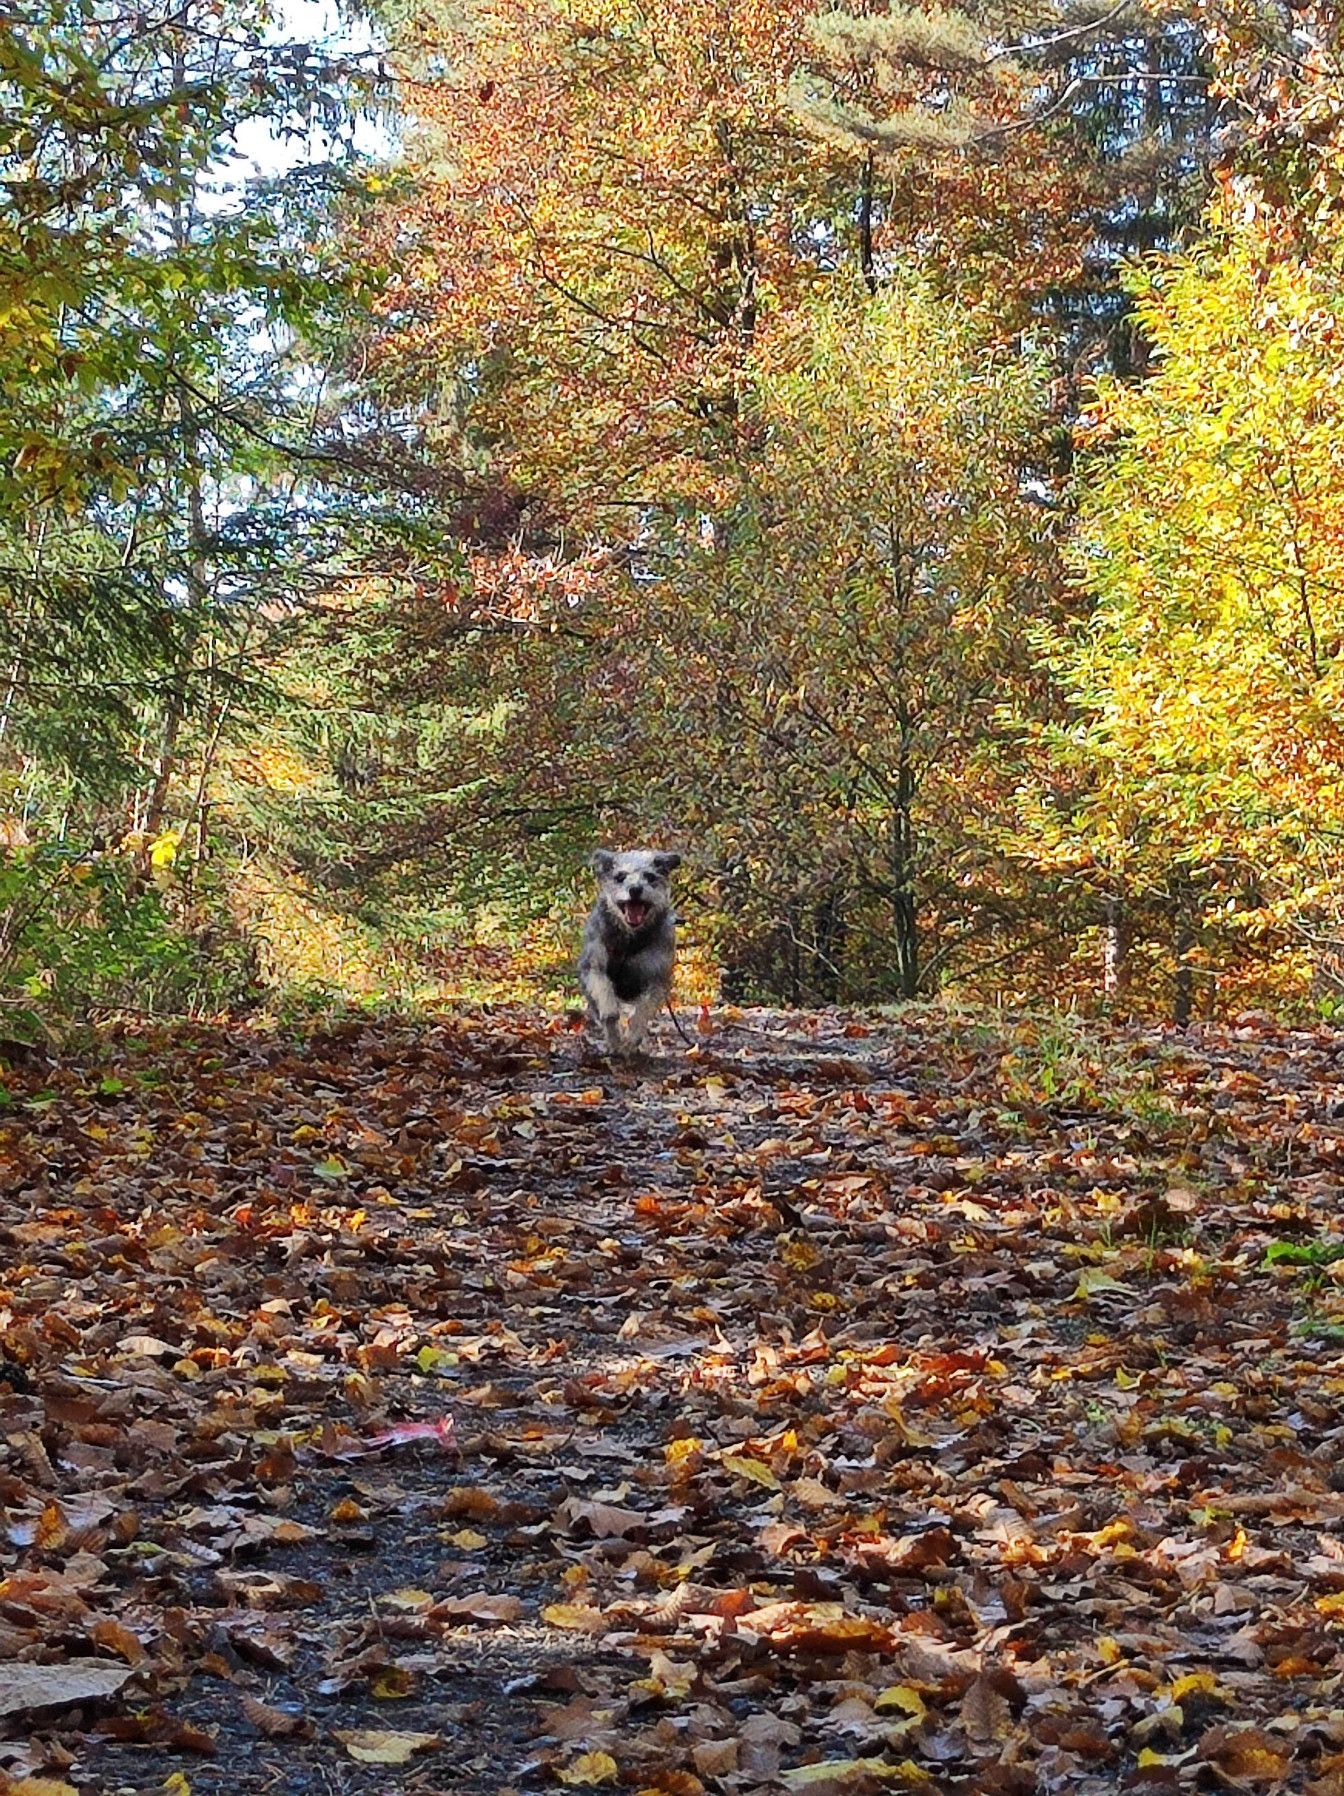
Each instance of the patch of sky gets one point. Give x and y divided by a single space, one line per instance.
263 149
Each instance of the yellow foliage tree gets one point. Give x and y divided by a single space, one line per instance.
1208 681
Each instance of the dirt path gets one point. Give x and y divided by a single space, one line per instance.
843 1406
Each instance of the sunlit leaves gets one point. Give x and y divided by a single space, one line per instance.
1209 675
847 643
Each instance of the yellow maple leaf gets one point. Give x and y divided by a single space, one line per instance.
1196 1683
407 1598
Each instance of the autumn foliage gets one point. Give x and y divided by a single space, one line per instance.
885 451
888 453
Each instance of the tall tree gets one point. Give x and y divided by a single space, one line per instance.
149 395
1208 676
837 669
156 415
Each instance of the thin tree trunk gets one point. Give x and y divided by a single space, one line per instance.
198 584
905 921
1115 950
829 929
905 903
1183 986
175 711
156 809
866 261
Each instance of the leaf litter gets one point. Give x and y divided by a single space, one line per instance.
848 1405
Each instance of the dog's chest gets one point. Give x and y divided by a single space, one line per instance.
629 976
636 963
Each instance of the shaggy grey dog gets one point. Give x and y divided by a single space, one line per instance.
629 943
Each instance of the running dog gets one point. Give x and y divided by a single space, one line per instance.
629 944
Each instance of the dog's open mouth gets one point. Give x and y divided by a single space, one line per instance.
636 912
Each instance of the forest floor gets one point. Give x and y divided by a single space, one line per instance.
843 1405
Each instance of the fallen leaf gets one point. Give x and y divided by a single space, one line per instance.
1092 1279
1247 1754
742 1465
394 1683
468 1540
441 1433
985 1713
149 1347
375 1746
851 1777
900 1699
481 1606
1196 1683
590 1768
715 1758
118 1639
58 1686
816 1627
603 1521
407 1599
577 1617
276 1724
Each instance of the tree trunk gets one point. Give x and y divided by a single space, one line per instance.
829 933
1115 950
1183 986
905 902
905 923
198 574
866 260
790 984
164 767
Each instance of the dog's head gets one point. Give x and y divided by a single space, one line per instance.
632 884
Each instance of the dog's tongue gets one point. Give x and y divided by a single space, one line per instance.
636 914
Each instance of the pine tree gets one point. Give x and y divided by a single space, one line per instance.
158 419
1083 132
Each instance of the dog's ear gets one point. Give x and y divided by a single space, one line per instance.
663 864
602 862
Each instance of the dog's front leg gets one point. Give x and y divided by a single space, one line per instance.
646 1008
604 1007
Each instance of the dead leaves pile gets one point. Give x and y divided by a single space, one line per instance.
843 1407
